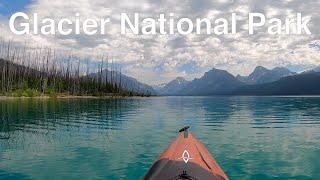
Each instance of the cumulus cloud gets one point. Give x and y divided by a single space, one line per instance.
159 58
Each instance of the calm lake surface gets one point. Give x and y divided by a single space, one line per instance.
250 137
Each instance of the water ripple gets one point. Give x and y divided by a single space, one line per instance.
250 137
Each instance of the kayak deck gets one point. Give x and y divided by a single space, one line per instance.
186 158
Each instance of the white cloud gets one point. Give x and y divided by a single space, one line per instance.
238 53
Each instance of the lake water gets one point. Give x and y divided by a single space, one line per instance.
250 137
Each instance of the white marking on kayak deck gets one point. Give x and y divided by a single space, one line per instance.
185 156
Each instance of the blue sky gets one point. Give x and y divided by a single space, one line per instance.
8 7
189 67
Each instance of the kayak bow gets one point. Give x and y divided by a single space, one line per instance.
185 158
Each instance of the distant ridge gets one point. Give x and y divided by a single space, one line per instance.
213 82
128 83
301 84
262 75
173 87
278 81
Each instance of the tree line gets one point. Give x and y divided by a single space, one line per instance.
29 71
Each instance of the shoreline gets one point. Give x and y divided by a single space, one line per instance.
133 97
68 97
48 97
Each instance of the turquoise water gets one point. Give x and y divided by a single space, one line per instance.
250 137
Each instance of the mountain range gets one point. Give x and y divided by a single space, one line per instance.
213 82
262 75
301 84
172 88
262 81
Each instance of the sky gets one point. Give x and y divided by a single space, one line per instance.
156 59
8 7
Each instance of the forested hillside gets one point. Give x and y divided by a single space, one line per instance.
39 71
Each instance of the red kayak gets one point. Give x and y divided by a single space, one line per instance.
185 158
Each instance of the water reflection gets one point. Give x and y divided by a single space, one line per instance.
48 115
251 137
